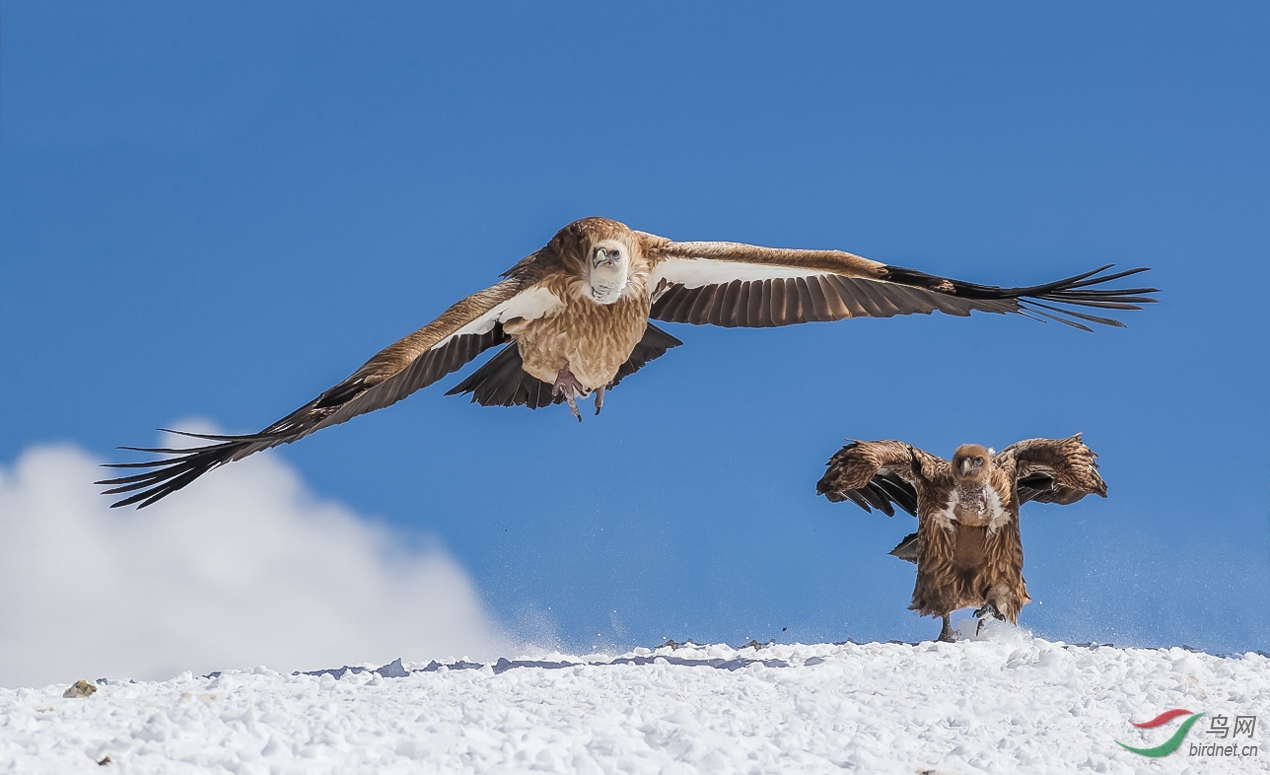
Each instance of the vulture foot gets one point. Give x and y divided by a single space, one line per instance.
599 400
982 615
947 635
568 384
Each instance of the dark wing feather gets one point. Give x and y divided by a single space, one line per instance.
1036 487
652 346
730 284
873 475
906 549
899 491
1075 291
502 381
394 373
1055 470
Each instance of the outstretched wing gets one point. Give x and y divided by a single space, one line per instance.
875 475
460 334
733 284
1055 470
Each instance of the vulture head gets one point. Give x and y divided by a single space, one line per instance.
608 266
605 259
971 463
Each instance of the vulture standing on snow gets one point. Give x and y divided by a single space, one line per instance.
574 317
967 545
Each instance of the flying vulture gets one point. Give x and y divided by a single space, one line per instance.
967 545
573 319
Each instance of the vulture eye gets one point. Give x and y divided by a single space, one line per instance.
978 461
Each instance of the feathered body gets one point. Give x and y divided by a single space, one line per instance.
968 548
591 339
969 551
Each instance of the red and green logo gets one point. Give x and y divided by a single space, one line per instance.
1170 745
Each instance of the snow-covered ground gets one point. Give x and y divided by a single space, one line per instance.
1008 703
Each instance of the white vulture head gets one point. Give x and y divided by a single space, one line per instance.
608 268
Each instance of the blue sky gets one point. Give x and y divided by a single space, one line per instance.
215 211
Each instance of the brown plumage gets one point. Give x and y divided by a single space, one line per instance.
967 545
574 317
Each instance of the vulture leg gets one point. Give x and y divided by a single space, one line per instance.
568 384
946 635
983 613
599 399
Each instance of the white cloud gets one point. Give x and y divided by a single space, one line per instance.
241 569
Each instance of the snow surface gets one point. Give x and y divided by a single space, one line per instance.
1008 703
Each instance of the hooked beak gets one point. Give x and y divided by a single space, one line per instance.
965 466
602 259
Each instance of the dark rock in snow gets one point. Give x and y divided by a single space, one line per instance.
393 669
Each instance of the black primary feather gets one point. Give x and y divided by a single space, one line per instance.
336 405
1073 291
881 491
824 297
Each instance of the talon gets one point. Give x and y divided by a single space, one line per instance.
983 613
568 384
599 400
989 609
